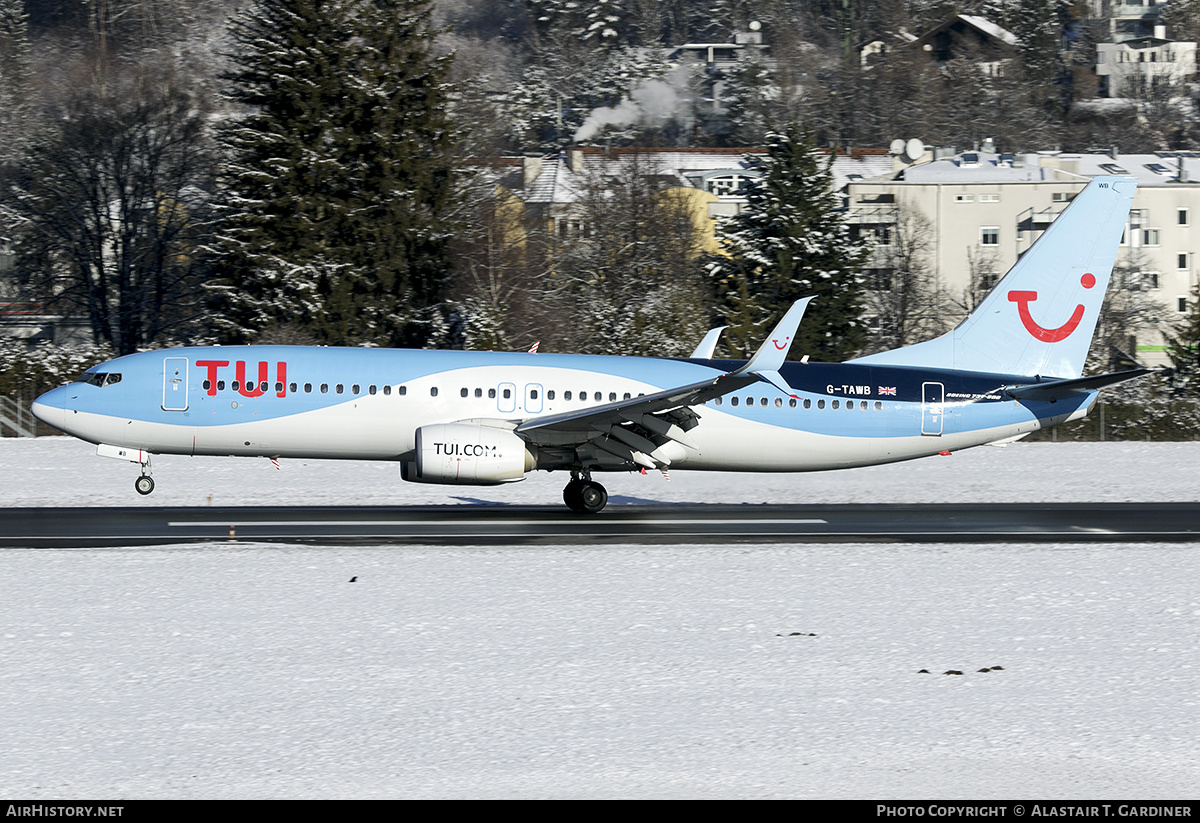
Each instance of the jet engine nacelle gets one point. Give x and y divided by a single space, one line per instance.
469 454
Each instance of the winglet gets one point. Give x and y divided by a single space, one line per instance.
707 346
773 352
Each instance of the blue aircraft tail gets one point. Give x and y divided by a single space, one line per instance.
1040 317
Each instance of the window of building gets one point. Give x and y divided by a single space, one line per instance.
1149 237
989 198
964 198
989 236
1181 305
1181 260
1181 215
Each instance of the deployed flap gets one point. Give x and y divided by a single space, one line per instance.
1054 389
707 346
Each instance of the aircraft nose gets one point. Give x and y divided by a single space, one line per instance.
51 407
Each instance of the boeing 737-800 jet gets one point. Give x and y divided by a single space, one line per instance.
1013 366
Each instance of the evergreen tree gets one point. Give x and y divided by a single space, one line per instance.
1183 347
791 241
16 75
339 174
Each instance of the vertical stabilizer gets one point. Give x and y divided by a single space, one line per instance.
1040 317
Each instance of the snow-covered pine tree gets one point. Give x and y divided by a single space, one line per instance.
1183 347
16 75
791 241
339 173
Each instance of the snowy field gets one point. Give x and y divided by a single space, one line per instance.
623 671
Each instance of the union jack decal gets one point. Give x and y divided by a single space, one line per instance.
888 390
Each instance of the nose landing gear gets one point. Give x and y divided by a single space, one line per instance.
145 483
584 495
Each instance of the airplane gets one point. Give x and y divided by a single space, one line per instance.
1013 366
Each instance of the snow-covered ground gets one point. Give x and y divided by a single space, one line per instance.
615 671
62 471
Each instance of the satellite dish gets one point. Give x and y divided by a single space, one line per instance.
897 146
914 149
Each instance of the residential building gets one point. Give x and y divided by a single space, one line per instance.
1135 67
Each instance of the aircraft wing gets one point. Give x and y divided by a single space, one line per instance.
639 430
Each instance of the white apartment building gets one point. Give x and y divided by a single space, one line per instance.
1134 68
985 210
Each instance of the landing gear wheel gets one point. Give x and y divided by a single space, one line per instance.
573 495
144 484
592 497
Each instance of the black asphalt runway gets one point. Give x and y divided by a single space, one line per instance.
463 525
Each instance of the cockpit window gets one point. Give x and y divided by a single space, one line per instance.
97 378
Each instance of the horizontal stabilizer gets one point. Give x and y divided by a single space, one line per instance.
1052 390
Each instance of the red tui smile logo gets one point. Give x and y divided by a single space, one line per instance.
1024 298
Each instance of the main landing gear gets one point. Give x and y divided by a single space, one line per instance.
584 495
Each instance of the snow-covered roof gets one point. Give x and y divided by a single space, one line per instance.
558 183
1150 169
990 28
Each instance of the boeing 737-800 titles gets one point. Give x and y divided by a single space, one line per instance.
1013 366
